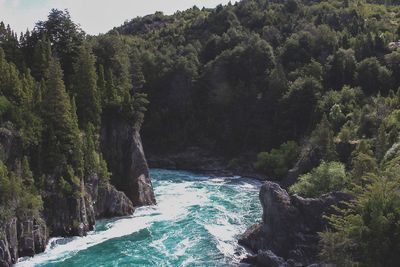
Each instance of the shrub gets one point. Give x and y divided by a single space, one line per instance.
325 178
367 232
277 162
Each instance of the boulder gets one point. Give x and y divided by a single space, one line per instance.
112 203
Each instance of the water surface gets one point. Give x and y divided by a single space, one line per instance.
196 223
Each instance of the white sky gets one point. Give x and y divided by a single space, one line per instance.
94 16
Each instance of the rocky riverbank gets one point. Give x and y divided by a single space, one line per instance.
130 186
202 161
288 233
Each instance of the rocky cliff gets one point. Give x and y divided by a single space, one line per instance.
122 148
288 233
68 215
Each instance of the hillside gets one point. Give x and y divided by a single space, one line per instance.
306 93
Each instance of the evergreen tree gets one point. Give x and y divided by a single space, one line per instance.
323 138
85 88
62 142
111 90
41 59
101 83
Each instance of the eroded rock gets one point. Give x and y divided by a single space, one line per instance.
123 150
112 203
290 224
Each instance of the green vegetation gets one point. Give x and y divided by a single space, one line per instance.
55 84
275 163
367 232
325 178
257 77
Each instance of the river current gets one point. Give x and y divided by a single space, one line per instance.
196 223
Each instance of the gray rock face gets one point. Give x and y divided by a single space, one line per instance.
122 148
112 203
5 256
21 238
18 236
290 224
76 215
67 215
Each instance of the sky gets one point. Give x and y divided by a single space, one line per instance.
94 16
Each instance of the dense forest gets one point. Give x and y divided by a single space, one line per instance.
279 80
57 96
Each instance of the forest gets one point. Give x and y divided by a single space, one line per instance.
266 78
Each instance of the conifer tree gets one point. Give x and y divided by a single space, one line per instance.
111 91
62 142
85 87
101 82
41 59
323 138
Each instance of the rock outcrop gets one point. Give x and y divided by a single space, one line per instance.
288 233
112 203
69 215
24 235
21 238
122 148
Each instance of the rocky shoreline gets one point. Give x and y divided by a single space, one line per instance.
201 161
129 187
288 234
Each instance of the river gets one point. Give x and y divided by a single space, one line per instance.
196 223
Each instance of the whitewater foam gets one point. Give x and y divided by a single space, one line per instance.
192 212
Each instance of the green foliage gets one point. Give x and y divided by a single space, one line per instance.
325 178
367 232
277 162
322 137
18 196
236 79
373 77
85 88
61 138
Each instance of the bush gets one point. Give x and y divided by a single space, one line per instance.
367 232
277 162
325 178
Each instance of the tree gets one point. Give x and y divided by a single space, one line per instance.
61 139
322 137
85 88
300 102
372 77
392 61
41 59
65 36
341 68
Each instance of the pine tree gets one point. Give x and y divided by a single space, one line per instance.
111 91
101 83
85 87
323 138
62 142
41 59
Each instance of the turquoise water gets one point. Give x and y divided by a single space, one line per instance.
196 223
